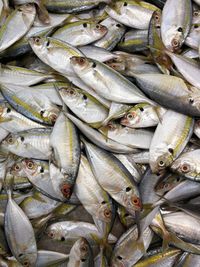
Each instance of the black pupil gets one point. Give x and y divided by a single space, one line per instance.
119 257
125 4
83 260
22 138
180 29
128 189
84 25
141 109
84 97
118 25
191 101
94 65
171 150
42 170
8 110
62 238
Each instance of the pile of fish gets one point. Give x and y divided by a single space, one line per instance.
99 133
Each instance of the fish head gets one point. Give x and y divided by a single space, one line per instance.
27 260
82 64
133 117
174 39
55 231
39 44
80 250
69 93
31 167
98 29
118 260
50 115
11 141
17 169
184 166
131 199
104 211
160 160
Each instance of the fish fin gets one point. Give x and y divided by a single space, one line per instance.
8 183
43 14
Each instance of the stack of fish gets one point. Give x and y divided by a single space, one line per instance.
99 133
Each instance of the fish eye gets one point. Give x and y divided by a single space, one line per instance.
37 40
83 248
161 163
26 263
171 150
185 168
16 167
180 29
51 234
98 26
66 190
30 165
141 109
71 91
196 13
107 213
118 25
175 43
119 258
10 140
130 116
22 138
136 200
85 25
128 189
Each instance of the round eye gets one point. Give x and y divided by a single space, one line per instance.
118 25
171 150
130 116
180 29
157 17
17 167
191 100
185 168
107 213
66 190
22 138
30 165
26 263
51 235
10 140
141 109
83 248
98 26
136 200
166 185
196 13
37 40
161 163
175 43
119 258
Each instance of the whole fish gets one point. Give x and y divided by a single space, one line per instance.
19 233
114 178
169 140
80 33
